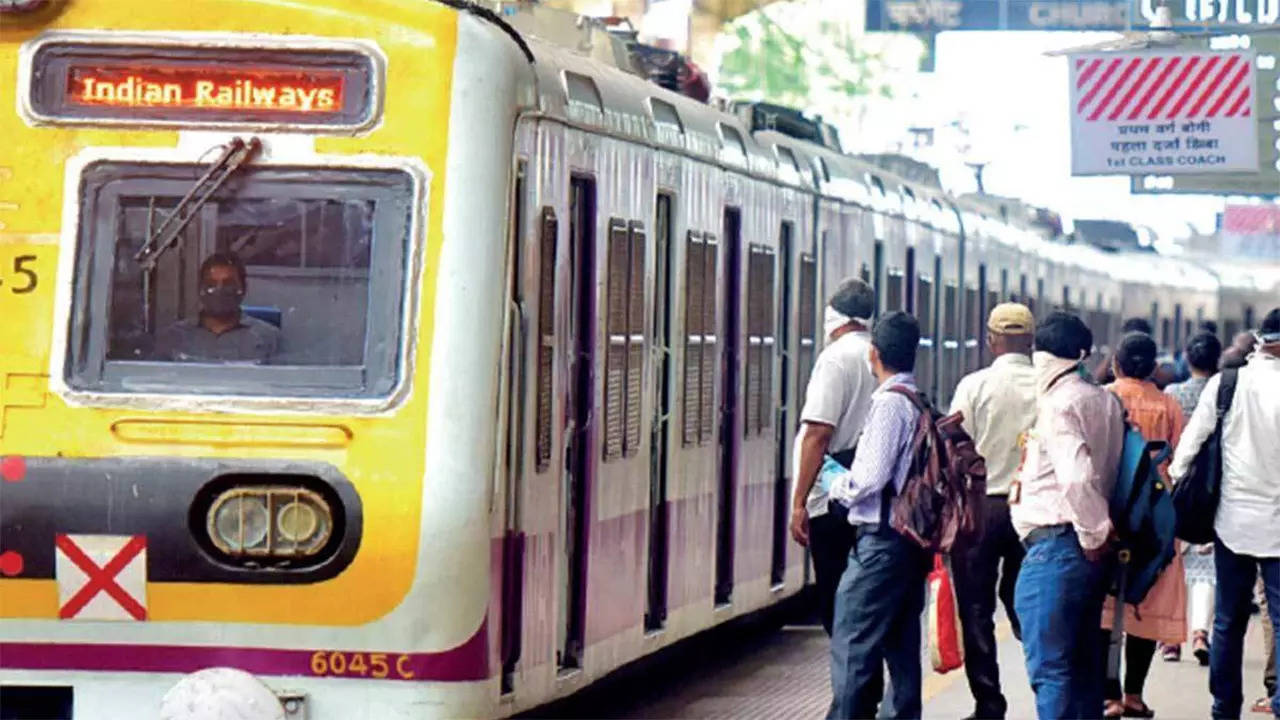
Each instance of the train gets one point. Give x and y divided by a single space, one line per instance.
423 358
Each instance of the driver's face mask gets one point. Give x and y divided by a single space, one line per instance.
221 300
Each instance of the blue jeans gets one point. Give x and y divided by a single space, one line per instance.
877 624
1237 575
1059 603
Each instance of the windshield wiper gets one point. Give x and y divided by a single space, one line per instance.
167 235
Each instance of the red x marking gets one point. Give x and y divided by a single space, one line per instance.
102 579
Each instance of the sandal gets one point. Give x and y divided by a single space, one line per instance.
1200 648
1263 705
1113 709
1144 711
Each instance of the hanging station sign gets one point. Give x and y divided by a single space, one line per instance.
1078 15
1169 112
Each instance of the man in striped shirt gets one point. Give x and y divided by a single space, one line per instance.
881 594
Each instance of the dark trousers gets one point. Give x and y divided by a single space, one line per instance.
877 625
1237 575
1138 653
986 569
830 539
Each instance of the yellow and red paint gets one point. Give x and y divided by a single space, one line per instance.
419 42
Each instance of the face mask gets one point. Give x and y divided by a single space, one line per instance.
220 301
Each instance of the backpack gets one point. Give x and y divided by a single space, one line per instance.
1143 516
1195 497
943 496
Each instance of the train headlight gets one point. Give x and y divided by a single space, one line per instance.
239 523
270 522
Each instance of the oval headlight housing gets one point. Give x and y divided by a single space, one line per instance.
269 522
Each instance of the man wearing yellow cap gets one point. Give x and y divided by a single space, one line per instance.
999 406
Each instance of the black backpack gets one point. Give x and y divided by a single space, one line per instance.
1195 497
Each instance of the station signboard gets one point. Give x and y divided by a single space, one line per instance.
1171 111
1108 15
1265 181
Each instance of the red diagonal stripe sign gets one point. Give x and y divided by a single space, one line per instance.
1163 112
82 578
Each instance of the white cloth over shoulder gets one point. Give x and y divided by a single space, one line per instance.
1249 511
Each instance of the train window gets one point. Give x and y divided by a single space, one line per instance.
1022 292
878 259
864 273
694 292
582 91
1177 326
1166 334
760 338
787 158
710 361
548 233
1066 298
1004 285
731 140
664 113
700 340
624 329
893 293
808 281
262 287
1248 318
924 305
973 323
1041 300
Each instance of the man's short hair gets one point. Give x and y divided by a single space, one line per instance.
1209 326
1136 355
1064 335
896 337
1136 324
1203 351
854 298
225 259
1270 323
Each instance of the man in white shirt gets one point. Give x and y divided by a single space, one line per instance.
835 407
1249 509
999 407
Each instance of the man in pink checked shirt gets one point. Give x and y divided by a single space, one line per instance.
1059 507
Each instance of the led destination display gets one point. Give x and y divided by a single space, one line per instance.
85 82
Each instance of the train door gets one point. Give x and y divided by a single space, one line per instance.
582 217
729 332
782 334
513 545
655 614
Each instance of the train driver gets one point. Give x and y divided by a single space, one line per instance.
221 332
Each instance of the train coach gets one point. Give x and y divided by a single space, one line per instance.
517 344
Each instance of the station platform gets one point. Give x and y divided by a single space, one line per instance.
783 673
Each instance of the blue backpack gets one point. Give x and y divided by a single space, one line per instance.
1143 515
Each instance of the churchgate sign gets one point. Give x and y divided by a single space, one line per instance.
1113 15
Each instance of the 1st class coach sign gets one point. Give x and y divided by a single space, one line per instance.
1163 112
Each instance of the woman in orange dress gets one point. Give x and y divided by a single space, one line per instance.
1162 616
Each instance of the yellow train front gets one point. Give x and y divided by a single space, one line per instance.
242 423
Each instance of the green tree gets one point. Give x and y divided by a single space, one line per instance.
782 54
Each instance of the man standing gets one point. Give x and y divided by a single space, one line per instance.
999 407
835 406
1248 511
1060 509
881 594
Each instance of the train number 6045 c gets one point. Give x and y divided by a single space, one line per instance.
358 664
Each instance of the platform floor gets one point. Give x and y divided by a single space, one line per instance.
783 674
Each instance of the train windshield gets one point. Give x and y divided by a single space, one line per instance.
280 281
